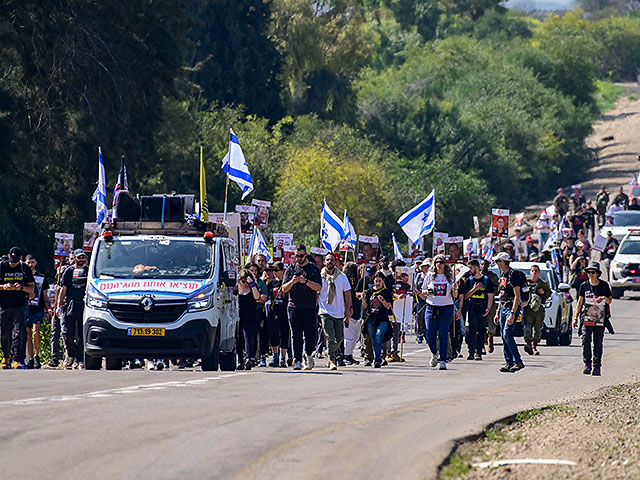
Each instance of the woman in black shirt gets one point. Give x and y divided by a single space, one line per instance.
248 296
377 302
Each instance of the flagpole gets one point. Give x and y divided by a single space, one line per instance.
226 193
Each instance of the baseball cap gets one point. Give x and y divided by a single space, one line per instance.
502 257
78 252
15 254
528 238
579 243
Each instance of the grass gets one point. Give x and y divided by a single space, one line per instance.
606 95
632 98
456 468
528 414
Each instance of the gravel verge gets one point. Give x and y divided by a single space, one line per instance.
600 434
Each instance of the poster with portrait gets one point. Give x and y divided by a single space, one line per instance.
568 233
279 242
368 249
500 223
245 239
476 224
403 281
90 234
599 243
439 239
518 220
471 248
289 254
247 212
319 251
63 245
261 215
416 249
453 249
520 248
594 310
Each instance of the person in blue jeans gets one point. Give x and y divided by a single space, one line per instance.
377 302
440 289
510 292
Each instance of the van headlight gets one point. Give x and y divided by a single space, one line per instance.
617 265
96 299
201 300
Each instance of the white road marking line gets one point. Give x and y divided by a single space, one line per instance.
522 461
416 352
120 391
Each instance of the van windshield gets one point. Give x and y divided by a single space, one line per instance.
153 258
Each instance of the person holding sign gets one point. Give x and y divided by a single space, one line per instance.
593 312
440 288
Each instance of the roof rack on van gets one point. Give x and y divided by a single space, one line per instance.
118 227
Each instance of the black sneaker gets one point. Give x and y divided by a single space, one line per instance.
596 371
587 369
470 356
377 365
478 356
349 360
367 363
528 349
384 362
506 368
240 366
341 363
36 362
517 366
30 364
53 363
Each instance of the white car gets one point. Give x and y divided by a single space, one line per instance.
557 328
624 271
623 222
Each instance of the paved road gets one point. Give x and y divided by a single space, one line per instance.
397 422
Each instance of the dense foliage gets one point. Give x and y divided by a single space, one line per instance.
367 103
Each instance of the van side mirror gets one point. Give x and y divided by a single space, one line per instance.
229 278
563 287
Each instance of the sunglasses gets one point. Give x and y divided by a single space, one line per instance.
439 262
301 255
592 272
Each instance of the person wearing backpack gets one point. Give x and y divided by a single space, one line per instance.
478 297
513 294
534 311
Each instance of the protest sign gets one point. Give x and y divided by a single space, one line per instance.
245 240
476 224
460 271
289 254
453 249
63 245
471 247
247 213
500 223
599 243
90 233
439 240
368 249
279 241
567 233
518 220
416 249
403 295
261 216
520 247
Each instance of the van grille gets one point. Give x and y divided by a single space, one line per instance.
162 312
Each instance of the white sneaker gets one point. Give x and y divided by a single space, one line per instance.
297 366
150 365
310 363
434 360
443 365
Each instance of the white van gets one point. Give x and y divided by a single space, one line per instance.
161 290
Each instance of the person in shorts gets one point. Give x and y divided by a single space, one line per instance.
37 307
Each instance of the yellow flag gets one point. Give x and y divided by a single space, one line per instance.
204 204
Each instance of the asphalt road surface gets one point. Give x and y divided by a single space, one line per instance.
396 422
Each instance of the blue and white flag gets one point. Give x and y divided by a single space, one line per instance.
397 253
258 245
331 228
100 195
552 240
235 166
421 219
555 261
350 238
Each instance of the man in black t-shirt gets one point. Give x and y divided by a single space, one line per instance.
278 322
478 296
510 291
16 285
302 281
594 300
74 286
37 306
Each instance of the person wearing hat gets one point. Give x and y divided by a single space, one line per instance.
74 286
531 248
534 311
593 312
16 286
510 291
543 228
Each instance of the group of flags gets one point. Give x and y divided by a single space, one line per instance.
416 223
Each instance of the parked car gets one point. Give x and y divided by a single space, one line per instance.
623 222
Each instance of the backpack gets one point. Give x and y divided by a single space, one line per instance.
525 293
535 303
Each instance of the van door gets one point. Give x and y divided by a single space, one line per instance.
230 317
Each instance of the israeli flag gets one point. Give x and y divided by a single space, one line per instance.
397 253
551 241
350 238
258 245
331 228
421 219
100 195
235 166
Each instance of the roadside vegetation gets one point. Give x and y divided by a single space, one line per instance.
369 103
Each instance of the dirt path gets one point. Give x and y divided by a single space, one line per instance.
618 156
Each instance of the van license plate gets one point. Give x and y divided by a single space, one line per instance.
145 332
636 280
